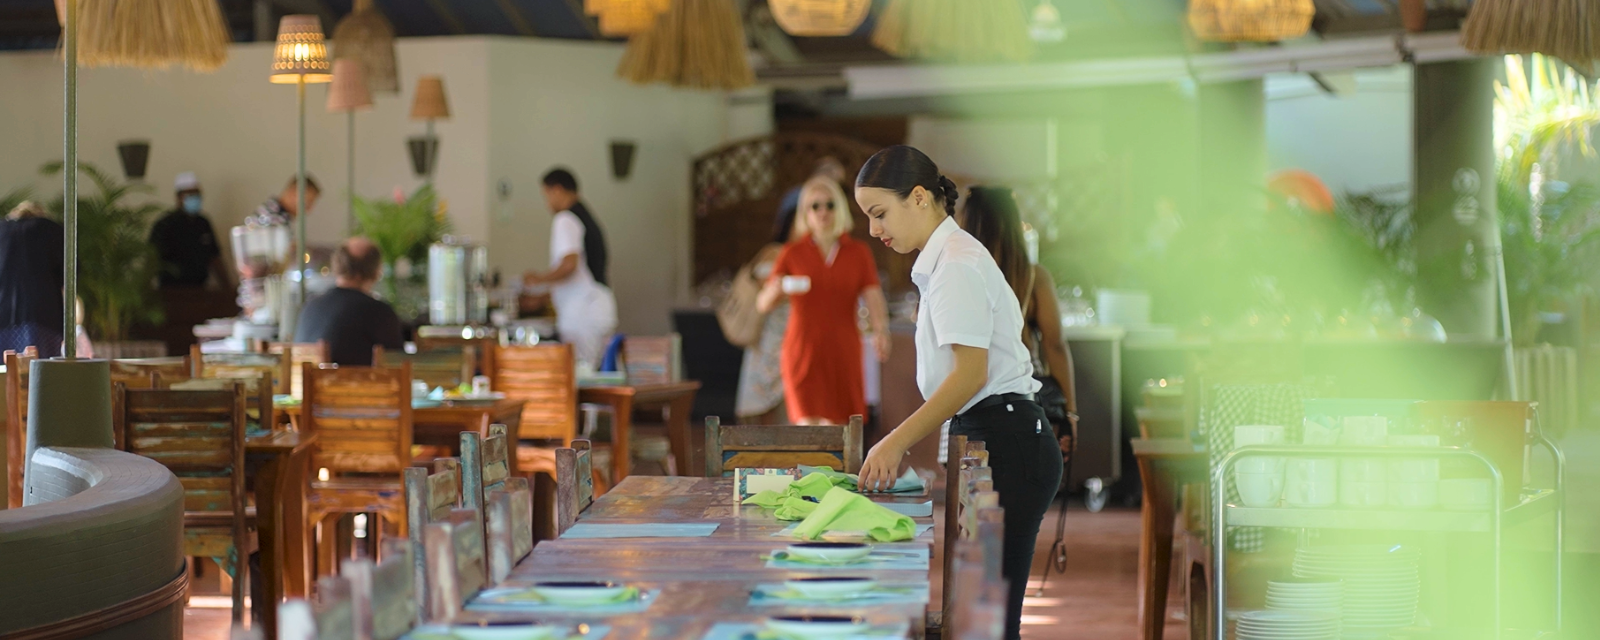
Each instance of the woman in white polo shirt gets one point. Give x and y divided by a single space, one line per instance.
972 367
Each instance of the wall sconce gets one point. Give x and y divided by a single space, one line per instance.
135 156
622 158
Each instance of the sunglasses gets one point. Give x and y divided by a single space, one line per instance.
822 205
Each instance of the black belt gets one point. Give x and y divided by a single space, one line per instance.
997 400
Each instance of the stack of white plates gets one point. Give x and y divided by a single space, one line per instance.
1382 583
1288 625
1308 594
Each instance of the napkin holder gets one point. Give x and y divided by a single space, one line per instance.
748 482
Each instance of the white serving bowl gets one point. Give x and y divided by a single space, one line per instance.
1259 489
1363 470
829 551
817 626
830 587
579 592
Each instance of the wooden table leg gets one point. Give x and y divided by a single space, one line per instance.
1155 551
269 530
678 412
621 435
297 553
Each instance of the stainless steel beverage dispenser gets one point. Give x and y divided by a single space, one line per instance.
458 282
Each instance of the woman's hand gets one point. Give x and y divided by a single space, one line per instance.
771 294
881 468
880 343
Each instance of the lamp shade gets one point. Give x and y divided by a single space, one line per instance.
429 102
1250 20
623 22
367 36
301 51
349 89
600 7
820 17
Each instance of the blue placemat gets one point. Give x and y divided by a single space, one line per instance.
881 558
652 530
910 509
788 532
884 593
747 630
442 632
489 600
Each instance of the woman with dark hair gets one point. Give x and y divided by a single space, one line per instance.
972 367
991 216
760 396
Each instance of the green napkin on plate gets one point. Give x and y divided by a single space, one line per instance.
842 510
908 483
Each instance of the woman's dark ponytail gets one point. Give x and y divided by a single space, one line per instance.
901 169
948 191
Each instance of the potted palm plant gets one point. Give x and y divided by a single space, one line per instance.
402 228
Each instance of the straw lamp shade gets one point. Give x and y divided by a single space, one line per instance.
600 7
300 51
1250 20
1565 29
349 89
366 36
820 17
626 21
697 43
149 34
960 31
429 102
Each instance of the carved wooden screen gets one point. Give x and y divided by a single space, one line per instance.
736 190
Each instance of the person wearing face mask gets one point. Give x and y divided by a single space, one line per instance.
972 367
186 242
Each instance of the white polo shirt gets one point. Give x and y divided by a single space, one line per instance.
966 301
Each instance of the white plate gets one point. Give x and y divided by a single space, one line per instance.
829 551
830 587
817 626
509 632
579 592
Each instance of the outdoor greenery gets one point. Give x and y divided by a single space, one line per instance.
117 265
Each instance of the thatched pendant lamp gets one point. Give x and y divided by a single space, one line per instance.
1250 20
368 37
1565 29
150 34
599 7
624 21
697 44
820 17
954 30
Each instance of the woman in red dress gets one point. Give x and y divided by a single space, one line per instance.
824 272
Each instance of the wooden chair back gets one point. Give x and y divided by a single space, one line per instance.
243 365
361 415
574 483
432 338
544 376
137 373
17 367
258 392
509 527
979 612
730 447
383 595
430 497
446 367
963 458
653 359
330 615
456 561
485 466
300 354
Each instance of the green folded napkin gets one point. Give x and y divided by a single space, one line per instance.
791 503
908 483
841 510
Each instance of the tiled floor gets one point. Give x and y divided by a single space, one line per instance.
1094 600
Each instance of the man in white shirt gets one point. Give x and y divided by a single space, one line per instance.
586 310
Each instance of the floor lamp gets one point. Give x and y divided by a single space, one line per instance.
301 58
347 94
428 104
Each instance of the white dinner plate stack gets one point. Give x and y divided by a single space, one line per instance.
1306 594
1287 625
1382 584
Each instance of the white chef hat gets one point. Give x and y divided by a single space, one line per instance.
186 181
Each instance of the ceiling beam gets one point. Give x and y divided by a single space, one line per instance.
448 16
589 25
518 21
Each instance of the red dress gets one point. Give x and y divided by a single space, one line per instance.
822 376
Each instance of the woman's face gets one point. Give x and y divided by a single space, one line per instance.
818 207
903 224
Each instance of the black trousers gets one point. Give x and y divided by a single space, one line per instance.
1025 460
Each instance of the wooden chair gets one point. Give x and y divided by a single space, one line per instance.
730 447
243 365
544 376
456 564
300 354
446 367
17 368
962 460
979 614
430 497
383 595
257 389
433 338
509 518
362 419
653 359
199 436
574 483
330 615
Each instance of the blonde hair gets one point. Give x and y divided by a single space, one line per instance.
843 221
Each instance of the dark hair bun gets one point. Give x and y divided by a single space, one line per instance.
948 191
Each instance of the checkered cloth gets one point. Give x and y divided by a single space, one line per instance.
1235 405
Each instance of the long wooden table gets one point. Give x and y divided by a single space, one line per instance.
703 581
443 424
280 460
676 397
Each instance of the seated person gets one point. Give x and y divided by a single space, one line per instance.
348 318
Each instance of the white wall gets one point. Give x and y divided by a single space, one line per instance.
1354 142
518 107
